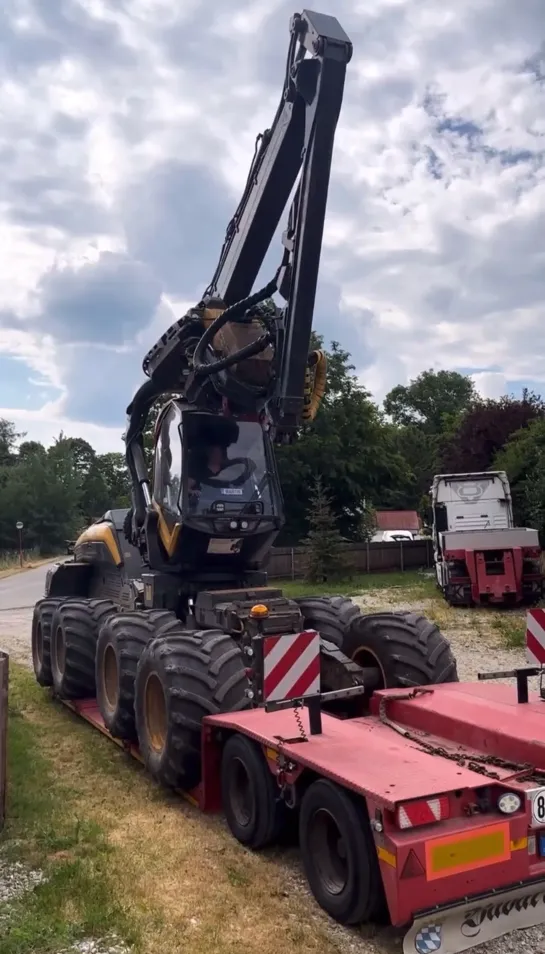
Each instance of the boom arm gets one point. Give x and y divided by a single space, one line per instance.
298 144
302 135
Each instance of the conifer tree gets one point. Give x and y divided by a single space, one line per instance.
324 543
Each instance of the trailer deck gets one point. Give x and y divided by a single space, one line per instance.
443 789
470 850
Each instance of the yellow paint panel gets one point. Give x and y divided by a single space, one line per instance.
386 856
101 533
447 856
168 537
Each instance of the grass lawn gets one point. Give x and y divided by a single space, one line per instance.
122 857
411 585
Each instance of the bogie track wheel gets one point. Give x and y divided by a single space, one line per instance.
330 616
338 854
41 639
408 649
74 632
121 641
250 795
180 679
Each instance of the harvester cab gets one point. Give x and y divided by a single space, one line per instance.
215 497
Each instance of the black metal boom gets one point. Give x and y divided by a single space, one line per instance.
300 140
295 153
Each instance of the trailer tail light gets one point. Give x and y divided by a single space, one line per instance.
424 811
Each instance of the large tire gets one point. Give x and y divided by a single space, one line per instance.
41 639
121 641
250 795
330 616
74 632
408 649
338 854
181 679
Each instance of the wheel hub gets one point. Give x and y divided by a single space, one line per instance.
59 644
110 678
38 647
240 793
155 710
366 658
329 852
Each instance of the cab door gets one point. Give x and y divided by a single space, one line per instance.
167 477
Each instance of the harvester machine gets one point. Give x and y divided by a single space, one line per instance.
480 556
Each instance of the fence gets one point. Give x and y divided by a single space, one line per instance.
4 674
289 562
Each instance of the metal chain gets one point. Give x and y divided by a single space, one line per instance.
477 763
300 726
281 759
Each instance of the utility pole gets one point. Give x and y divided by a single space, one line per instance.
19 525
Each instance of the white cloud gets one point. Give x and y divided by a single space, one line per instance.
128 128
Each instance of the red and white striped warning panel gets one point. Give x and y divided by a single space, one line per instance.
291 666
535 637
425 811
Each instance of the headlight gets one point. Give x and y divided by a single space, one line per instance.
509 803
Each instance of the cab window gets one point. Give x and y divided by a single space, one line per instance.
167 479
226 465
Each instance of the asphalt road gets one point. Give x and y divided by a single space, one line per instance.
23 589
18 594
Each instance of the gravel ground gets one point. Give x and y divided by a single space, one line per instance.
467 630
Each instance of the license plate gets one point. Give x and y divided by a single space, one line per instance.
537 801
451 855
463 926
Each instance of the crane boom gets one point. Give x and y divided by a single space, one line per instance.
204 357
298 144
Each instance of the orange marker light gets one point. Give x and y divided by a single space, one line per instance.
259 611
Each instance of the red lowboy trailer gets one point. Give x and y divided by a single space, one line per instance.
429 809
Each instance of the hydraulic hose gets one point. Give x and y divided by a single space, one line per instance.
235 313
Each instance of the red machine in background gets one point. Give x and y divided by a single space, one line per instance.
480 556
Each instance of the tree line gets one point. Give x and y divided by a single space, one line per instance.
367 457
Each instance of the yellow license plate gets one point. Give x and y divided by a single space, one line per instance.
455 854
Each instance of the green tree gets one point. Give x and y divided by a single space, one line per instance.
421 452
432 401
8 439
350 446
523 459
30 449
485 429
367 522
46 503
114 471
324 543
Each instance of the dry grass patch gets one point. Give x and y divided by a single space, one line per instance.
12 567
177 877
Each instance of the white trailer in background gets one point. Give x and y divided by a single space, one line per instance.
480 556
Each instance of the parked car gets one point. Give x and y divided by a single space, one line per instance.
392 536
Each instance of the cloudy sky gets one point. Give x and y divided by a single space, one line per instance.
126 130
